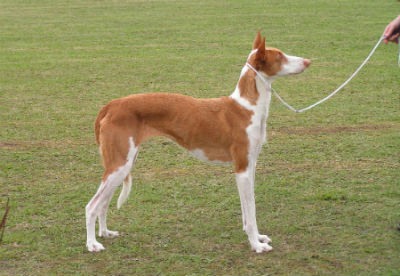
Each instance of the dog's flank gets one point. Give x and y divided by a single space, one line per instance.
227 129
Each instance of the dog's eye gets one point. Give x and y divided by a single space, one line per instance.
281 57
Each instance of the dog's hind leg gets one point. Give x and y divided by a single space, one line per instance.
103 230
92 212
126 188
98 205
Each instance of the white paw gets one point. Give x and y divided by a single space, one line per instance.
264 239
94 246
109 234
260 247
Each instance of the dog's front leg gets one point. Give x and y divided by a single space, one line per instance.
245 183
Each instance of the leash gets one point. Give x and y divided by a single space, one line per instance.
330 95
398 59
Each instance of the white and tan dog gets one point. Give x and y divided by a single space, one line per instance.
227 129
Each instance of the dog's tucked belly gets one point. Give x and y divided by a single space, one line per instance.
217 157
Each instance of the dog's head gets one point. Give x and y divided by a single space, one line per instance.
273 62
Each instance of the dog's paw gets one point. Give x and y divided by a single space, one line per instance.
264 239
108 234
260 247
94 246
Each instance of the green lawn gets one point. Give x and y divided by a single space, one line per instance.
328 182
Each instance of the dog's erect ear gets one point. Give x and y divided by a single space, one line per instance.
257 40
261 50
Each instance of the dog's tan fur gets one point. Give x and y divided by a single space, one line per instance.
216 126
226 129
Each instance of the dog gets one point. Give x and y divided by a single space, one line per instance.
227 129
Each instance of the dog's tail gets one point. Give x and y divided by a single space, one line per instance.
126 189
100 116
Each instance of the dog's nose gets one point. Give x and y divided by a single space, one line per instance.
307 62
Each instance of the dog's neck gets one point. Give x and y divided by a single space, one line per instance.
252 92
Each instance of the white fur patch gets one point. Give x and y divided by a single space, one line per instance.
240 100
127 185
132 149
199 154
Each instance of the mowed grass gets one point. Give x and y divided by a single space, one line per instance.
327 189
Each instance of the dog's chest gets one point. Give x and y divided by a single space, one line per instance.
257 130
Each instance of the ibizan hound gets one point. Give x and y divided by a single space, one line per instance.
226 129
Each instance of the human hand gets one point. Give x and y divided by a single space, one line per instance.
392 31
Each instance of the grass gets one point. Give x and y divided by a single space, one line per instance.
327 182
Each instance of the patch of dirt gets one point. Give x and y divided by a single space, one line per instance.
330 130
9 145
359 164
14 145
